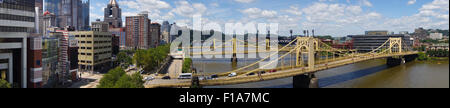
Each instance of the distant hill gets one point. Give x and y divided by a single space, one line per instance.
444 32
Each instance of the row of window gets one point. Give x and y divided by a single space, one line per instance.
14 29
95 42
100 53
89 54
16 17
83 61
89 48
104 47
89 42
95 36
25 5
101 60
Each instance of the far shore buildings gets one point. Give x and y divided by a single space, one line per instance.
436 36
372 40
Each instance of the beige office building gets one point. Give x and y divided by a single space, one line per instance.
94 53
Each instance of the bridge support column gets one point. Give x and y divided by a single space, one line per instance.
195 82
305 81
409 58
234 59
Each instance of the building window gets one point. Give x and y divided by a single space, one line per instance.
38 62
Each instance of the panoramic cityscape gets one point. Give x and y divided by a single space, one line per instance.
224 44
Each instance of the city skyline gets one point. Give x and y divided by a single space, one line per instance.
327 17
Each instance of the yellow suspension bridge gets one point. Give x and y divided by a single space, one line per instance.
319 56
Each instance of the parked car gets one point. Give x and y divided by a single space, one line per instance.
272 71
262 72
232 74
250 74
149 78
166 77
214 76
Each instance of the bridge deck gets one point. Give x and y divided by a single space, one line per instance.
286 72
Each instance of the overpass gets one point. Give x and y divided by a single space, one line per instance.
311 56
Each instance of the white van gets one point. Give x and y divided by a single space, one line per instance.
185 76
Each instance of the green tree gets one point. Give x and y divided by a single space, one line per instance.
124 59
422 56
117 78
109 80
187 65
152 58
4 84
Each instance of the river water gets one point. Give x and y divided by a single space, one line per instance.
367 74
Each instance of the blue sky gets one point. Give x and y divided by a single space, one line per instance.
327 17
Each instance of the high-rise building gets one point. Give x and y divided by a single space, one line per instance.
39 16
16 22
48 22
74 13
138 33
113 14
95 48
50 58
34 61
94 53
165 32
120 32
100 26
155 35
63 55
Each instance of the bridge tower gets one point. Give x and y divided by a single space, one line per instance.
214 44
308 45
393 42
234 41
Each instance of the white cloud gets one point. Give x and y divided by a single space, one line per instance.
154 7
411 2
259 13
366 3
186 9
244 1
294 10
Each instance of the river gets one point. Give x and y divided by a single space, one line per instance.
367 74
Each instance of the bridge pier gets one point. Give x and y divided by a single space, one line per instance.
195 82
395 61
234 58
305 81
409 58
401 60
